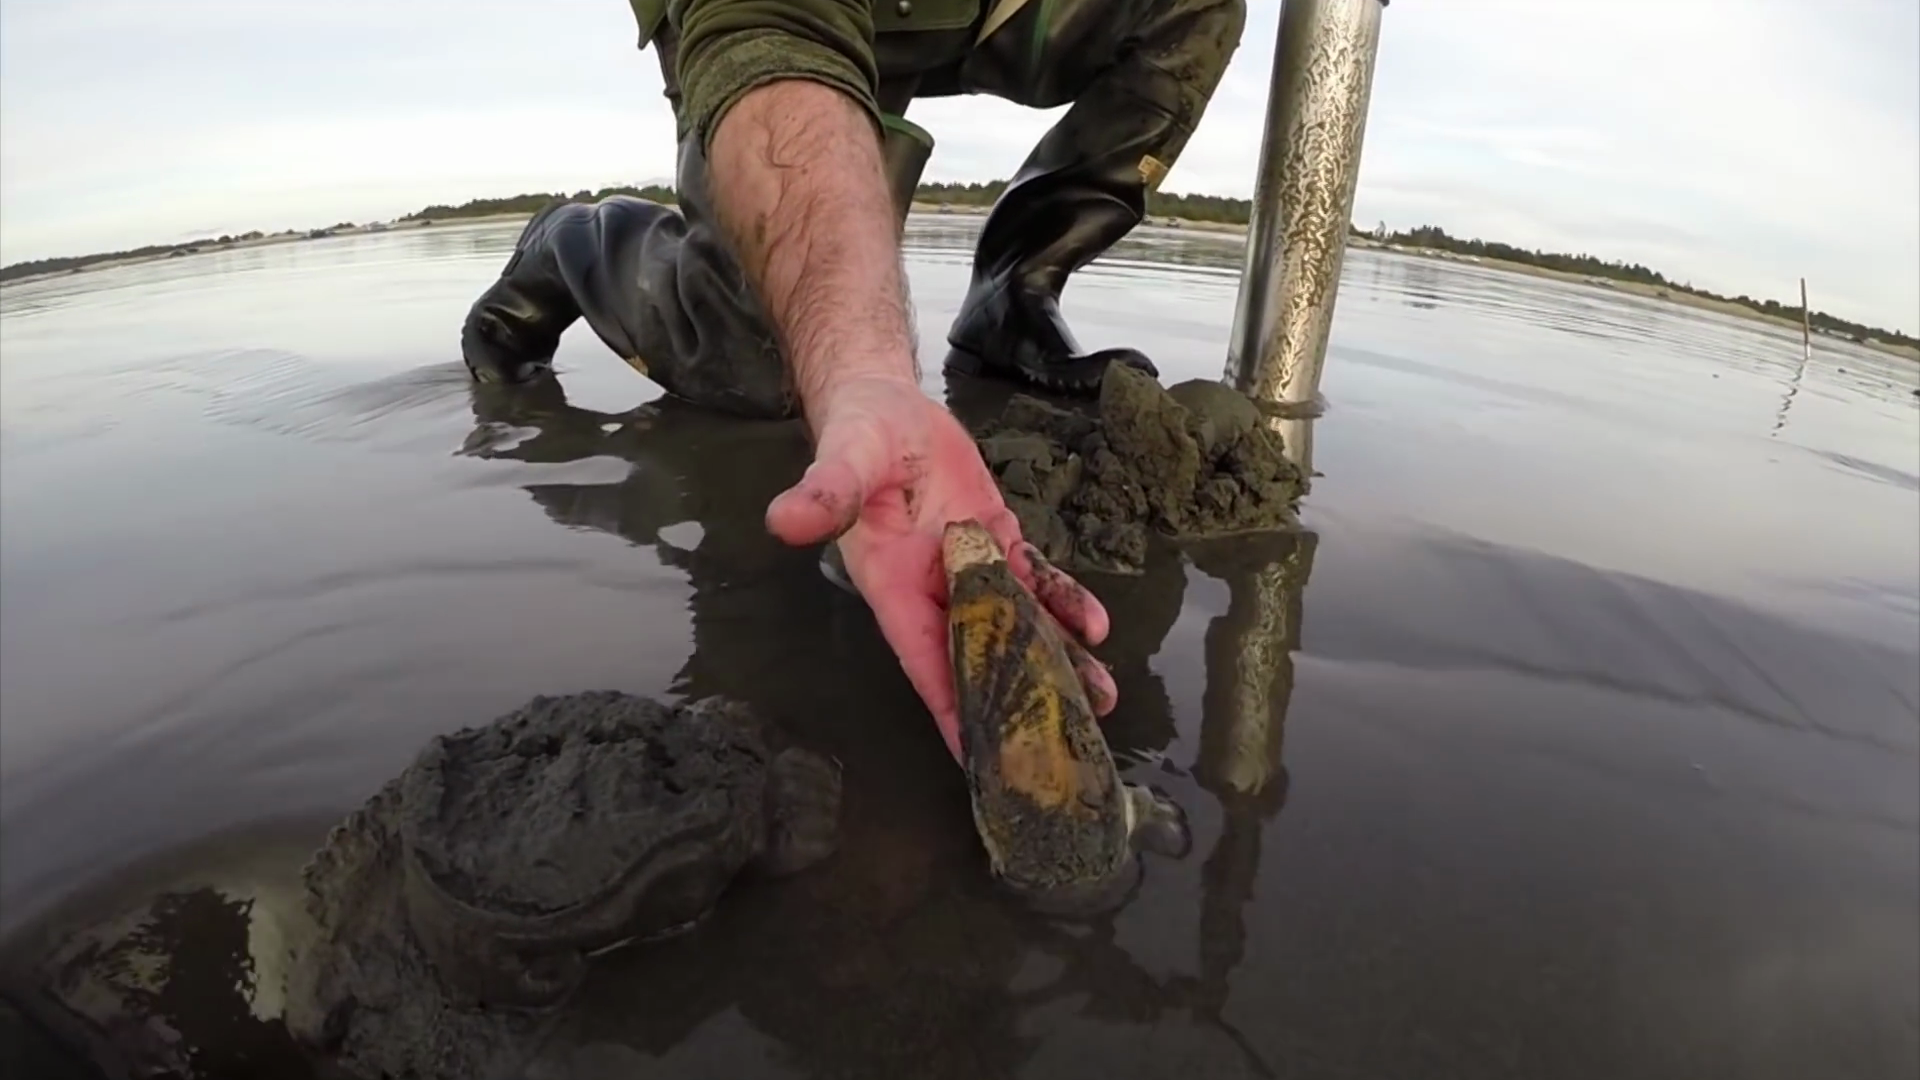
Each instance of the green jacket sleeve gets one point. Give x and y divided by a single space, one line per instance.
729 47
649 14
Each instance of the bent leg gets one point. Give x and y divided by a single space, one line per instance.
658 285
1140 74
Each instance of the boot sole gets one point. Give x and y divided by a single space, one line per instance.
962 361
971 364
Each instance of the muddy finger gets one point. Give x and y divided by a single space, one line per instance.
1070 602
1102 693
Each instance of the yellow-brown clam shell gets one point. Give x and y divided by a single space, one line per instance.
1059 826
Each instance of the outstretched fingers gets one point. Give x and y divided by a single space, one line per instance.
1072 603
1076 613
1102 694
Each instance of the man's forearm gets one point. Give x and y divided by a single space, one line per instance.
798 187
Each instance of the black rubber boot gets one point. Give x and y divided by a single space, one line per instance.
511 332
658 286
1010 323
1084 187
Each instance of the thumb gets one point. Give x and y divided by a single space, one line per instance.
846 472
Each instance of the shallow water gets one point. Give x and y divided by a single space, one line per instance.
1575 736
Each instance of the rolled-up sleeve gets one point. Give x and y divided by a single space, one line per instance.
730 47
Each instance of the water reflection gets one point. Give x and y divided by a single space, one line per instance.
696 493
1422 287
1199 248
165 990
1572 799
1792 391
950 237
1249 657
897 959
888 964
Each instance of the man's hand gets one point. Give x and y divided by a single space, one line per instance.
891 468
798 188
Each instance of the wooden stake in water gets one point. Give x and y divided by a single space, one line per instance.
1806 324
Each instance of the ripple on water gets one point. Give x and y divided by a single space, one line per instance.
293 395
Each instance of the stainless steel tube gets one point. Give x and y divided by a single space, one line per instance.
1303 197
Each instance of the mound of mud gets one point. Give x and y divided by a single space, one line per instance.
552 808
445 924
1186 462
457 908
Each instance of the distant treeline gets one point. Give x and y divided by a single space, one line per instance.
1187 207
1432 237
151 251
1435 238
1215 208
527 204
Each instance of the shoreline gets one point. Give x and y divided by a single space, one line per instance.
1218 228
1631 288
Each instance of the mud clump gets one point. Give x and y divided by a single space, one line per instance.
456 909
446 922
1183 462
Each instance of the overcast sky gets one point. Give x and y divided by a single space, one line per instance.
1736 144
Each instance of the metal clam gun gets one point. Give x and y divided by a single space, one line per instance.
1309 166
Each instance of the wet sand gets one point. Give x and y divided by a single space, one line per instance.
1574 735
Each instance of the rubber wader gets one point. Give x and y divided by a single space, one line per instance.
1139 74
661 289
657 284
